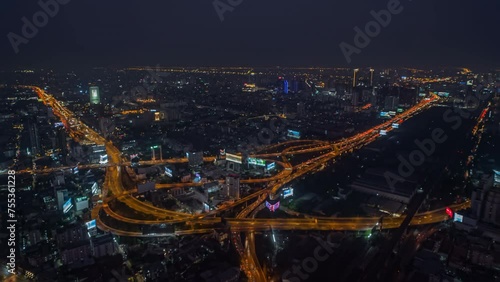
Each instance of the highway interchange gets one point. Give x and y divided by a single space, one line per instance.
113 189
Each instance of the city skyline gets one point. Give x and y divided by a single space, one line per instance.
250 141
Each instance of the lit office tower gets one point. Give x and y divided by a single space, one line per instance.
94 95
354 78
61 198
35 149
233 186
371 76
285 86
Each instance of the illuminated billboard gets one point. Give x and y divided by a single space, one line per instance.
103 159
233 158
67 206
384 114
287 192
392 113
458 218
91 224
95 188
443 94
395 125
197 178
383 132
272 207
399 110
293 134
81 203
257 162
497 175
168 171
271 166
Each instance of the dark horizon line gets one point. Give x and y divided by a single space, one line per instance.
244 66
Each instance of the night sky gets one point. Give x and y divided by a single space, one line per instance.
87 33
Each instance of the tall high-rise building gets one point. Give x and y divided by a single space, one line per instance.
354 82
301 109
373 98
355 98
233 186
486 199
285 86
371 76
61 143
35 148
295 86
391 103
95 97
62 195
107 126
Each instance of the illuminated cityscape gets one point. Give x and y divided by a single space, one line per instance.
249 167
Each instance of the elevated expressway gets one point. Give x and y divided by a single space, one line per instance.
333 223
113 189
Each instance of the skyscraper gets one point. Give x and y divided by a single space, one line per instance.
486 199
233 186
285 86
391 102
61 143
61 198
354 78
301 109
295 86
355 98
94 95
371 76
35 148
107 126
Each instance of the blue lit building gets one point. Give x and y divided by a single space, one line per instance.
285 86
